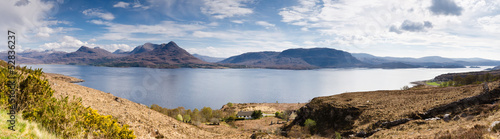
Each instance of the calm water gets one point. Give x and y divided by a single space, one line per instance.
196 88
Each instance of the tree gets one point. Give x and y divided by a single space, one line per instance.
187 118
206 112
257 114
196 115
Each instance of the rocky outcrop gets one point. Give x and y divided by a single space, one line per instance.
332 114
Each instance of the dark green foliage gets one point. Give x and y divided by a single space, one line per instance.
311 125
257 114
194 116
470 79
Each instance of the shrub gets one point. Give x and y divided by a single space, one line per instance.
64 117
310 124
405 87
186 118
229 104
257 114
178 117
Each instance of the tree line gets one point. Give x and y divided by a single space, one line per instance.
470 79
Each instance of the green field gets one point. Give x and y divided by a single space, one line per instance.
433 83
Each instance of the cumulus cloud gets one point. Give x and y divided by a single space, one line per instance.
70 44
121 4
445 7
411 26
99 13
30 19
226 8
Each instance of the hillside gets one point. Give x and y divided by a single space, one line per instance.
145 122
402 113
297 59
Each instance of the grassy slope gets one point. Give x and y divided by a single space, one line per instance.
24 128
380 106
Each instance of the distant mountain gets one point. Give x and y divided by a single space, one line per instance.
208 58
144 48
430 61
297 59
395 65
167 55
120 51
494 68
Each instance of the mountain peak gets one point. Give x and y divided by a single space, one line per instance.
85 49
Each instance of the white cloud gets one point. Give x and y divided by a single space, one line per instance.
221 9
121 4
160 31
25 19
366 25
70 44
265 24
238 21
99 13
100 22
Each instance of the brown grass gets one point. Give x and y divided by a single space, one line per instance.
398 104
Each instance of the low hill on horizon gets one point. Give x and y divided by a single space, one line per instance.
297 59
428 61
208 58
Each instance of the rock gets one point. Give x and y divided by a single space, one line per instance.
456 118
447 117
118 99
494 127
432 119
361 134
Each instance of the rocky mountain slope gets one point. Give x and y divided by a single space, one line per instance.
167 55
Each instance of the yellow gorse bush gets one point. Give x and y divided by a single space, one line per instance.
64 117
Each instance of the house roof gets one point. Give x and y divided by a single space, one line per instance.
245 113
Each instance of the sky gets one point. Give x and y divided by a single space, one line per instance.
224 28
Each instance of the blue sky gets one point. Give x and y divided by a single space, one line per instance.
223 28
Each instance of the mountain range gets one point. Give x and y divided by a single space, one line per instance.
170 55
